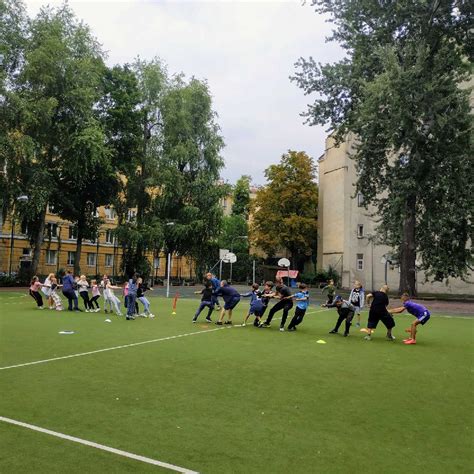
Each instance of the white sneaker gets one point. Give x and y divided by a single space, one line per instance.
282 329
40 307
151 315
97 310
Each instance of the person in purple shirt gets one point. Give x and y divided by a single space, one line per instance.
421 314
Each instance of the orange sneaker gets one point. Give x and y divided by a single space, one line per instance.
410 341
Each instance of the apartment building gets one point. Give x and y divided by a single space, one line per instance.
98 256
347 230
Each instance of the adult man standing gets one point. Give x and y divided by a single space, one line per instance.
216 284
283 293
378 312
231 299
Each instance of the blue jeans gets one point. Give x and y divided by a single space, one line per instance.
205 304
132 298
145 303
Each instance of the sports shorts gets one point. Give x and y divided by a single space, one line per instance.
375 317
232 303
424 319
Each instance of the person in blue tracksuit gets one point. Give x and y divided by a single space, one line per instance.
231 299
257 306
216 284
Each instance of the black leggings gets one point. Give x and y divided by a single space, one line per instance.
284 305
297 318
37 297
87 302
94 301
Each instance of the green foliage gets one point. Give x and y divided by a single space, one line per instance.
241 196
286 209
234 228
78 135
321 276
400 90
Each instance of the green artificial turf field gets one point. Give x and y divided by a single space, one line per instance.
232 400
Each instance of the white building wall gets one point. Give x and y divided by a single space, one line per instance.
338 242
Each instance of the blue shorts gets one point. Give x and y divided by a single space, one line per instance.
424 319
232 303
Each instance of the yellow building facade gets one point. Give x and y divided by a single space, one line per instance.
102 256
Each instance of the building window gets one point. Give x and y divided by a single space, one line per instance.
110 213
109 259
91 259
360 231
24 228
109 237
360 261
71 258
51 256
224 203
131 214
52 229
72 232
26 252
360 199
51 209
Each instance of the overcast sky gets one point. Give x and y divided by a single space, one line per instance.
245 50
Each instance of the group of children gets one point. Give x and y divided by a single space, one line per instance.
259 300
378 312
346 309
134 292
75 287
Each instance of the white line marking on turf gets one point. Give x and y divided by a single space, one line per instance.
112 348
125 454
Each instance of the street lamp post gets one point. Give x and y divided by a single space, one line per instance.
232 250
168 267
97 255
370 238
12 234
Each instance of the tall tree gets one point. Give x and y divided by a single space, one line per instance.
122 116
400 91
285 210
189 166
241 196
15 147
139 125
54 94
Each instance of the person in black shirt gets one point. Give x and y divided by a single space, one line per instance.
378 312
206 301
283 293
141 288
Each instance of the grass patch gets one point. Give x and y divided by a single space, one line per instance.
236 400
